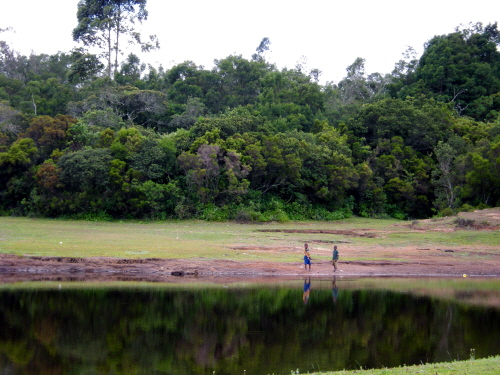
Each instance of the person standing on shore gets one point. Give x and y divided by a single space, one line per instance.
335 258
307 257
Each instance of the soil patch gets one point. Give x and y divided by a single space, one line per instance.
403 263
352 233
487 219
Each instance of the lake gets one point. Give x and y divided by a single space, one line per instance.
195 328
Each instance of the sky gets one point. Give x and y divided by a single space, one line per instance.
329 34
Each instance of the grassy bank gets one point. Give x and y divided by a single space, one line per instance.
485 366
188 239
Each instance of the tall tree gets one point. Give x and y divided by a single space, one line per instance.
239 80
357 87
261 49
445 176
403 74
84 65
102 23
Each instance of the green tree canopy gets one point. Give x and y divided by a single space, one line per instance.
461 67
103 23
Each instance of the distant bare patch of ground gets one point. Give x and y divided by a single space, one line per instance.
352 233
487 219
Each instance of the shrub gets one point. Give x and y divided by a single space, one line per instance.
213 213
466 208
464 223
396 212
446 212
482 206
297 211
245 214
101 216
183 211
274 215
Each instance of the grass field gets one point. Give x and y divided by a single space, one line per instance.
192 239
486 366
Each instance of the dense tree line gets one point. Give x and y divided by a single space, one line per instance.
246 140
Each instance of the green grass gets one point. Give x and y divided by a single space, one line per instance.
486 366
194 239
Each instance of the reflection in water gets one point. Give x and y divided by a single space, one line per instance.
307 290
335 289
445 334
261 330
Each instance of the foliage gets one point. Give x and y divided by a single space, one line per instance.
224 143
103 23
420 122
467 68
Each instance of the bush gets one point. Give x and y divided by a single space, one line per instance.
274 215
183 211
297 211
446 212
213 213
466 208
396 212
275 209
482 206
90 216
245 214
464 223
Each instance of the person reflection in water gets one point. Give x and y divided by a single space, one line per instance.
307 290
335 290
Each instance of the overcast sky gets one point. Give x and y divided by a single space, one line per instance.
330 34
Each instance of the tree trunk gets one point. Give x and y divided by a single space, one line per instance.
118 30
110 48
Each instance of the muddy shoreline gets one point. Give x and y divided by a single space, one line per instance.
16 268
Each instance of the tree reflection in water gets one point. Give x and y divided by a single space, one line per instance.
259 329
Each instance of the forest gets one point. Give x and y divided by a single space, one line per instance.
91 136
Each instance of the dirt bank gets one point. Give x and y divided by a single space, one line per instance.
407 262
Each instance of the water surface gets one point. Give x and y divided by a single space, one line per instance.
263 329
